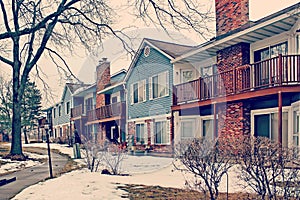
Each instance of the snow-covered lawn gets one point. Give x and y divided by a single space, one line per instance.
82 184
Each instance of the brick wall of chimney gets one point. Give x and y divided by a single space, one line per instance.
231 15
103 78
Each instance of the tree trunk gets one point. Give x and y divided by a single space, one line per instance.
16 143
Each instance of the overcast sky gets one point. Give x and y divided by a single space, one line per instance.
257 10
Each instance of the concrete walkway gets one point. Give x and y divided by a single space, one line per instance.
30 176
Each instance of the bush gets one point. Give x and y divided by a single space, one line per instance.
269 169
208 160
108 155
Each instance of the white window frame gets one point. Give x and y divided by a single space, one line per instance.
140 84
204 118
117 95
167 124
295 109
165 85
145 138
286 109
193 121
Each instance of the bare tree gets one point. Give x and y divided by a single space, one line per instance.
32 28
269 169
207 160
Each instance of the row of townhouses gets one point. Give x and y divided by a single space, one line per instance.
246 80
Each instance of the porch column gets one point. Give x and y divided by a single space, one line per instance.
279 117
215 120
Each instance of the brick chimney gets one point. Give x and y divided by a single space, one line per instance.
231 15
103 79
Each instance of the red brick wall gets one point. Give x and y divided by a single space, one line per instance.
103 78
228 59
233 119
231 15
131 131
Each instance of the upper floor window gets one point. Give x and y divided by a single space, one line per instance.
138 92
54 112
159 85
59 110
270 52
298 43
208 70
68 107
186 75
89 104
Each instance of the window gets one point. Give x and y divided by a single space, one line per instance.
208 70
187 128
159 85
208 128
54 112
89 104
186 75
298 43
296 127
162 132
68 107
59 110
270 52
266 125
138 92
140 134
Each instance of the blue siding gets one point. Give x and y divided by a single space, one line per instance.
144 68
64 118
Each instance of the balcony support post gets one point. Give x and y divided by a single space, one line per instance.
215 120
280 117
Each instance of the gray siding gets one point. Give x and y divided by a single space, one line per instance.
64 118
144 68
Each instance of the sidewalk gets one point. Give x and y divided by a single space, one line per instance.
30 176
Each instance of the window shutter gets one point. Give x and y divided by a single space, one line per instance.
152 132
144 87
150 89
131 94
167 83
168 132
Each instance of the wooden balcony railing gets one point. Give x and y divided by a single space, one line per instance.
91 115
274 72
111 110
77 111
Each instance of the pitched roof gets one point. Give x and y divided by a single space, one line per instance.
75 86
169 48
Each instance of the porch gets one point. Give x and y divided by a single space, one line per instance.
280 71
111 111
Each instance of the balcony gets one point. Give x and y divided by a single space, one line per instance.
77 111
274 72
91 115
111 110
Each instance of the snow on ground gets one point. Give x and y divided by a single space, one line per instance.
82 184
12 165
